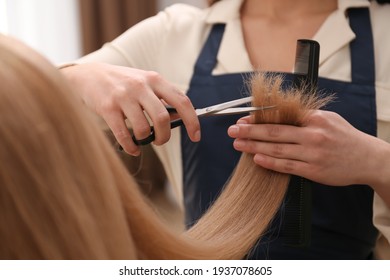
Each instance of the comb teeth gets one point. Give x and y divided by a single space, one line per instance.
306 63
297 215
302 55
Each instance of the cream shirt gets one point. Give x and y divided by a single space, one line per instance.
170 42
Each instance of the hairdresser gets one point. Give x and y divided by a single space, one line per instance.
208 55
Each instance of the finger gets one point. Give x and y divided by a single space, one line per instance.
138 120
287 166
275 150
268 132
245 120
173 115
159 117
187 113
181 102
117 124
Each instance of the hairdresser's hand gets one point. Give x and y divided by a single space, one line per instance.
117 93
326 149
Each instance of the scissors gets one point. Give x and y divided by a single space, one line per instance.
226 108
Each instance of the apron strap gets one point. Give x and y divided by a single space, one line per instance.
362 47
208 56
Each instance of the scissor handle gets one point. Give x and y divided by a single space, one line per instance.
149 139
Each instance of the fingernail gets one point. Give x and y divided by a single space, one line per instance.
135 154
239 144
240 121
233 130
258 158
197 136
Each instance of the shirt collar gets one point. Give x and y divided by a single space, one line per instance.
333 35
336 33
343 5
225 10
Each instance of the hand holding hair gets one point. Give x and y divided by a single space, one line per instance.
325 148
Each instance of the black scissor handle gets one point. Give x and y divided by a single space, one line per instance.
149 139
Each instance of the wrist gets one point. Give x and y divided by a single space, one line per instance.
379 175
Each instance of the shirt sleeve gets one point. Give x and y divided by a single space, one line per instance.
382 216
141 45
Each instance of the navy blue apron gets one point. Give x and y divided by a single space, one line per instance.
341 222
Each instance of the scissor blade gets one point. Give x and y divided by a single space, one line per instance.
242 110
223 106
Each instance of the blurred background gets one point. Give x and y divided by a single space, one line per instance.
64 30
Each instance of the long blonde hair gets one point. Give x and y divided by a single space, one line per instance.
64 193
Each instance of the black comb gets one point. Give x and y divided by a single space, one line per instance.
307 58
298 202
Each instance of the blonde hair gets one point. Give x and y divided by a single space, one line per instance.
64 193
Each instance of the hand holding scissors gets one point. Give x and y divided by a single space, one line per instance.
226 108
